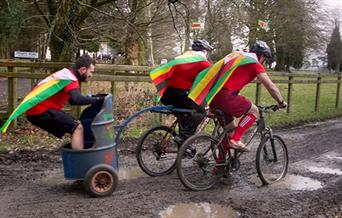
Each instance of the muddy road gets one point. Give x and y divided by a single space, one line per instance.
32 185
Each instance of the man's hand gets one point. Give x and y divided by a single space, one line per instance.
100 97
282 104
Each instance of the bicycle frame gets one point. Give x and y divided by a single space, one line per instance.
260 129
214 160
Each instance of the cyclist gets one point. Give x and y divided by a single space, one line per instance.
180 82
234 105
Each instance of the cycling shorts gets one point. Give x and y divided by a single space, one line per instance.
55 122
231 104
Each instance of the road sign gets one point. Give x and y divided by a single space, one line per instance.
25 54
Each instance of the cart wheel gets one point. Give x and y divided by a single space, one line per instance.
101 180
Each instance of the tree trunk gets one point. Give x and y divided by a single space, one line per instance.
187 30
62 46
149 42
131 50
280 66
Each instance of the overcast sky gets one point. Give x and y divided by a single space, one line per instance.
332 5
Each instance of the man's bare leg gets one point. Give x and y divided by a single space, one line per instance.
77 138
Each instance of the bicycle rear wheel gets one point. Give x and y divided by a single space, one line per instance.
196 162
156 151
271 159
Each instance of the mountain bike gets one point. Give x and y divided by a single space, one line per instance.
202 170
157 149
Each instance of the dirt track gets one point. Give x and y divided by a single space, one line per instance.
32 184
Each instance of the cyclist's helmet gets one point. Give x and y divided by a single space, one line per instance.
261 48
200 45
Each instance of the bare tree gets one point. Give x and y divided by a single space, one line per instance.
65 20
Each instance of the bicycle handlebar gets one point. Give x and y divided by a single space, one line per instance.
267 108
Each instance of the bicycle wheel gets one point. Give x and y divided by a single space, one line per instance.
196 162
156 151
271 159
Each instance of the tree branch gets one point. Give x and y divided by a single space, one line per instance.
98 4
110 15
41 12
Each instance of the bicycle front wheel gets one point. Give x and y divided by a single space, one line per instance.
196 162
271 159
156 151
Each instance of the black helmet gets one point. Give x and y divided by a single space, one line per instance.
200 45
261 48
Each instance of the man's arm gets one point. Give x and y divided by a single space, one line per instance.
271 88
77 99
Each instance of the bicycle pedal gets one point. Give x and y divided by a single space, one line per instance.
190 153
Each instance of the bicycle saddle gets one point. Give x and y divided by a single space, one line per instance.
216 111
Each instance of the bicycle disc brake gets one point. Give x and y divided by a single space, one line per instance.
158 151
201 160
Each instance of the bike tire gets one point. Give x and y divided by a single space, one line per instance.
271 164
152 154
196 172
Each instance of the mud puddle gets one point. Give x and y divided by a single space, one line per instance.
324 170
198 210
292 182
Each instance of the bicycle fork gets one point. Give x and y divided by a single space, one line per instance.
274 153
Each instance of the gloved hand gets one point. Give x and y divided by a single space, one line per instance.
100 97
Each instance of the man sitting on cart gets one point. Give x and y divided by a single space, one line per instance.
174 80
43 105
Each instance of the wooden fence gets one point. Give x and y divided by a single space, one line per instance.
124 73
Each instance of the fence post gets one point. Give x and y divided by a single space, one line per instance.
113 92
33 81
318 93
338 91
12 94
289 94
258 93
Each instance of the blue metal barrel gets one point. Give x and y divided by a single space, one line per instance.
77 163
100 146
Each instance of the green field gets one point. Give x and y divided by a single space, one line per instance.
302 104
141 95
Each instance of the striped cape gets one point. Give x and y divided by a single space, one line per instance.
161 75
45 89
211 80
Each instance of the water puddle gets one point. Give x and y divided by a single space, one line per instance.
293 182
130 173
198 210
333 155
324 170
